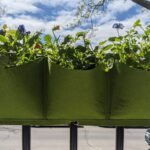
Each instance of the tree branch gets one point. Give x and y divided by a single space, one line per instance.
143 3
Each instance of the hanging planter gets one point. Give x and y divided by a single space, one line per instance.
106 85
20 92
76 94
130 94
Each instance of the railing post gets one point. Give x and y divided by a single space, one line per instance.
73 136
26 137
119 138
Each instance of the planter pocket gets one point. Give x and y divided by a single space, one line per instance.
21 92
130 95
76 95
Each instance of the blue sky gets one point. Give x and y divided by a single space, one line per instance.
44 14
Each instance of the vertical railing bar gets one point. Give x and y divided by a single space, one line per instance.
26 138
119 138
73 136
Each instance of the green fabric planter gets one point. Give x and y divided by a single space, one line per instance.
37 94
21 92
130 97
74 94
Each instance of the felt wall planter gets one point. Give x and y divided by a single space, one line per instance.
130 96
44 95
20 92
76 95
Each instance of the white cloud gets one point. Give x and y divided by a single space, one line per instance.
19 8
114 8
119 6
65 3
14 7
35 24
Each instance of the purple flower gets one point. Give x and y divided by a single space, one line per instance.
118 26
22 29
28 32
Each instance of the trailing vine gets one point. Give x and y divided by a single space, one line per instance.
19 47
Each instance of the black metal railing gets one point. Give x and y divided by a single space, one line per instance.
26 135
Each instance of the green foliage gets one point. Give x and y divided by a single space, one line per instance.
19 48
77 52
73 52
3 39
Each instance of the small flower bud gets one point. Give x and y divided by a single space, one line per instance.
56 28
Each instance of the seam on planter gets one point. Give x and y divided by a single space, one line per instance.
108 96
45 88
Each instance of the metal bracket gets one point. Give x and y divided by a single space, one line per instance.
26 137
73 136
119 138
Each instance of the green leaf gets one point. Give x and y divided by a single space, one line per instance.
3 39
67 39
119 39
112 39
48 38
115 39
102 43
34 39
81 34
11 33
87 42
80 48
108 47
137 24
